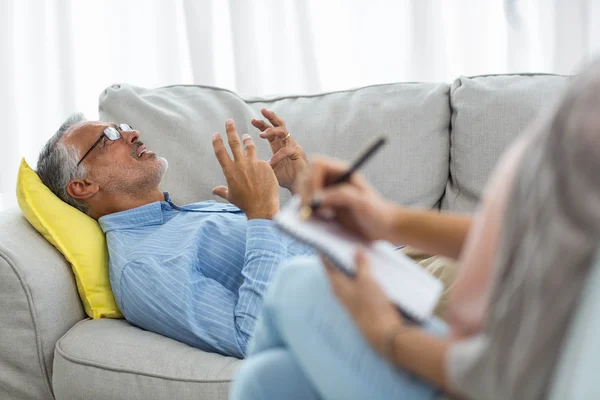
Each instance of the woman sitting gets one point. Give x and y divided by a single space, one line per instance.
524 260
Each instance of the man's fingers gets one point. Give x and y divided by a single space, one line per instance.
282 154
273 133
220 150
260 124
272 117
249 146
234 140
278 133
221 191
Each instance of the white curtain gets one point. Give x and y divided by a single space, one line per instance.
56 56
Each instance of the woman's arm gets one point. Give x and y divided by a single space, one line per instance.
422 354
360 209
407 346
430 231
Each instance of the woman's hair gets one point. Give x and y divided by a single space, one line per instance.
548 241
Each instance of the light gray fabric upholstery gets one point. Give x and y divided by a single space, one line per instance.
110 359
488 113
38 304
177 122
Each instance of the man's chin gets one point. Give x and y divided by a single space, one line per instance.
155 169
154 175
164 164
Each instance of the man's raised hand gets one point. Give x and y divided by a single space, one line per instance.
251 183
289 159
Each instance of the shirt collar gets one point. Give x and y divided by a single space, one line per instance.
146 215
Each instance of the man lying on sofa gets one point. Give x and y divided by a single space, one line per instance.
195 273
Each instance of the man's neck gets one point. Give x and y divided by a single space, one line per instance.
128 202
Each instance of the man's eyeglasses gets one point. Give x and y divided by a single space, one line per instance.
111 133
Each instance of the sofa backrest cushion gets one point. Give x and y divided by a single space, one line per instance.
488 113
177 122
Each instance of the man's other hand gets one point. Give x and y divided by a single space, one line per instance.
251 183
289 159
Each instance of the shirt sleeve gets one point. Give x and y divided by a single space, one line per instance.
265 251
164 297
463 359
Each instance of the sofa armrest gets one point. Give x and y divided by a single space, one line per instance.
38 304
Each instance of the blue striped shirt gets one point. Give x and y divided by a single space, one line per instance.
195 273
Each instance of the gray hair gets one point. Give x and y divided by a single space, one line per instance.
549 238
57 164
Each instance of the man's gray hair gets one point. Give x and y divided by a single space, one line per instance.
57 164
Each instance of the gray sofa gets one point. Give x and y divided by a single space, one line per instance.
445 140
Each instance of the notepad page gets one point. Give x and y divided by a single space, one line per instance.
405 283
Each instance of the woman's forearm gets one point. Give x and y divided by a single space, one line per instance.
430 231
424 355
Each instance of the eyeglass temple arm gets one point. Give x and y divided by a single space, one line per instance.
91 148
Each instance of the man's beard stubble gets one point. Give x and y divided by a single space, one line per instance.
134 182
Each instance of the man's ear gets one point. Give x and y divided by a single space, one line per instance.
82 189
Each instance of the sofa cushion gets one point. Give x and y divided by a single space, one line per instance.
77 236
443 268
488 113
38 304
177 122
111 359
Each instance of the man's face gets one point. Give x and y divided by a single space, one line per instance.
122 166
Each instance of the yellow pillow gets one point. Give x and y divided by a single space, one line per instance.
77 236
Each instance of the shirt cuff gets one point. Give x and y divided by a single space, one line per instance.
464 366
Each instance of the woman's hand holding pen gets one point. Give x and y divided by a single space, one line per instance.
354 204
360 209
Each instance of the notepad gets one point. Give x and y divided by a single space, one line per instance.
406 284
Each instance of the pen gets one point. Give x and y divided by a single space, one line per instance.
369 151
